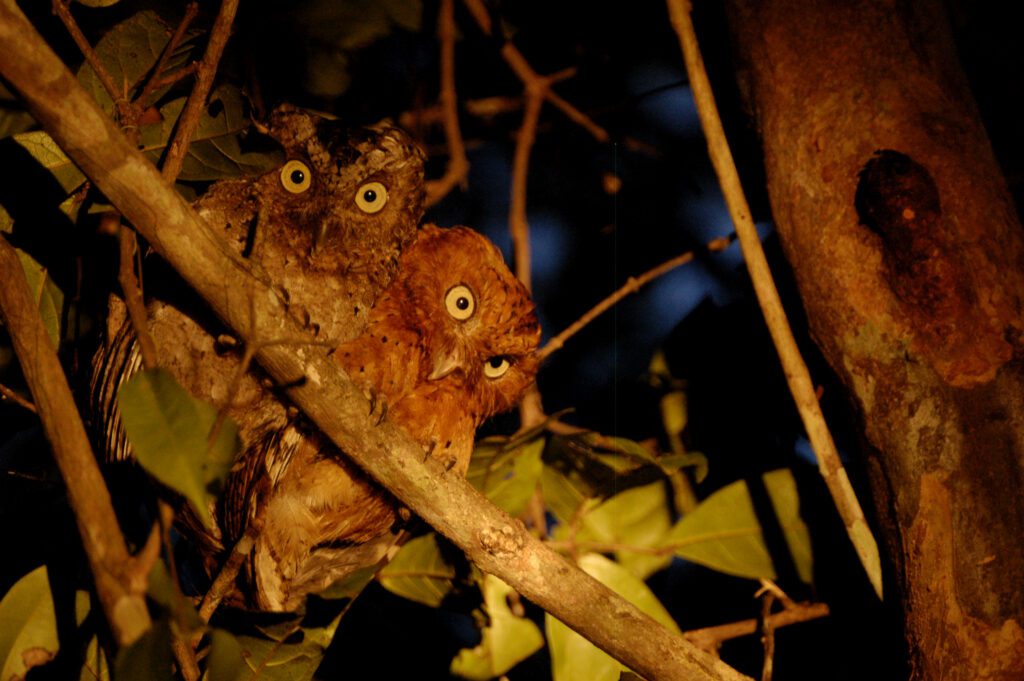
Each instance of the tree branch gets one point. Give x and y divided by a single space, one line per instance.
120 592
710 638
458 165
797 375
493 540
632 285
190 115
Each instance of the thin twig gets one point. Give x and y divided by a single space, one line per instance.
797 375
133 296
767 636
156 75
62 10
515 59
458 165
8 394
768 586
710 638
632 285
188 122
171 78
518 224
225 579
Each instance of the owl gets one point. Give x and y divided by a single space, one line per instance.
448 344
327 227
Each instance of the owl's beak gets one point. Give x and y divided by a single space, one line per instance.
445 362
320 235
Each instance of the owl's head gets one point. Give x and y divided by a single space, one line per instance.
475 319
345 188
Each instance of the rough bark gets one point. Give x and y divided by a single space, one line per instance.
909 257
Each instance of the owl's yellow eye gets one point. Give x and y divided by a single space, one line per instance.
460 302
295 177
372 197
496 366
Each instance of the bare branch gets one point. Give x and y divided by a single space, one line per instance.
133 294
530 78
797 375
8 394
190 115
632 285
458 165
710 638
157 77
62 8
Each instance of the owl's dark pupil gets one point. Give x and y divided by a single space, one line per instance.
370 196
298 177
496 362
463 304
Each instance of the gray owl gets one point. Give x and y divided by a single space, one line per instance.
328 227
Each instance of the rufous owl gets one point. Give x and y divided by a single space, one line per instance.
449 343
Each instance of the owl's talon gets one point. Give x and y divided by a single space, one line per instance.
378 406
450 464
429 450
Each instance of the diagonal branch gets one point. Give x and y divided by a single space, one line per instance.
188 122
494 541
120 592
797 375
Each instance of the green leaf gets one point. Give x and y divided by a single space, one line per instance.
98 3
95 665
419 572
637 517
168 431
128 52
14 121
508 476
723 532
148 658
226 662
505 642
574 658
28 625
49 298
351 586
563 493
50 156
289 653
215 152
163 590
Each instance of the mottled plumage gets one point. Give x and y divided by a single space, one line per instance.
327 227
449 343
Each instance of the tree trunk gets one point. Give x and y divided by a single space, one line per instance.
910 261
